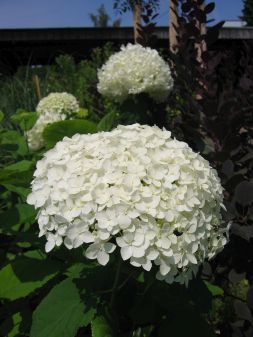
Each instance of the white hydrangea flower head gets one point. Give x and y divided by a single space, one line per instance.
135 188
34 136
58 102
134 70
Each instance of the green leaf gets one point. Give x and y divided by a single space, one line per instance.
17 177
19 214
25 120
100 327
11 138
17 174
107 122
214 290
21 277
1 116
17 324
60 313
10 327
21 166
57 131
35 254
75 270
22 191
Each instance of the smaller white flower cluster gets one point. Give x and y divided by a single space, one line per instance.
52 108
134 188
34 136
58 102
135 70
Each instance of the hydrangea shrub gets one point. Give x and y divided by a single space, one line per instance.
135 70
135 188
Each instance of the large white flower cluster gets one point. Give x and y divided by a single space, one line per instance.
134 188
135 70
52 108
58 102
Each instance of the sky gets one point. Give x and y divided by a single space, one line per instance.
75 13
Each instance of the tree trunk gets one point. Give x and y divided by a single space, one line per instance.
173 42
137 20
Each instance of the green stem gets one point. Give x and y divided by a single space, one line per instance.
115 283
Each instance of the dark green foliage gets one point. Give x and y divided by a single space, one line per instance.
56 131
18 92
102 19
215 99
60 313
247 12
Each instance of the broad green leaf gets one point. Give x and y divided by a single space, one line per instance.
57 131
75 270
17 179
18 174
21 166
21 277
106 122
14 138
19 214
22 191
35 254
214 290
25 120
100 327
60 313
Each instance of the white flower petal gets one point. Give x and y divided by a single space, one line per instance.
102 257
124 221
49 245
126 252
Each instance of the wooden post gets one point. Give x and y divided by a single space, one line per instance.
137 20
173 42
201 47
37 86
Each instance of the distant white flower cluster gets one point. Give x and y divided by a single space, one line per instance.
52 108
58 102
135 70
136 188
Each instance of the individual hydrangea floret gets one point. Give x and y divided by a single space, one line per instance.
34 136
135 70
58 102
136 189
